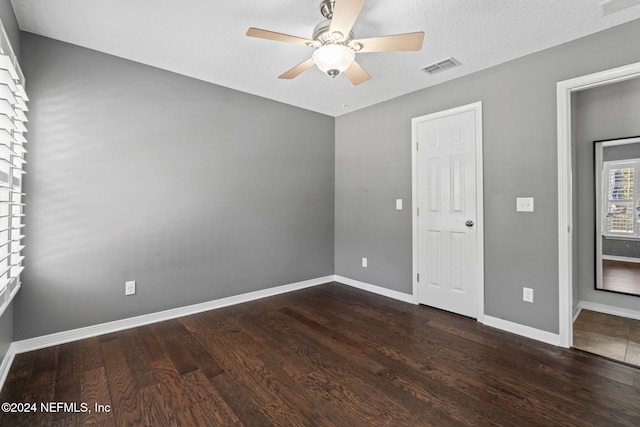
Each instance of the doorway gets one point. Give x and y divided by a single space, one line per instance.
565 89
448 244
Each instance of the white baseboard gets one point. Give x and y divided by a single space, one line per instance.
7 361
576 311
411 299
132 322
525 331
609 309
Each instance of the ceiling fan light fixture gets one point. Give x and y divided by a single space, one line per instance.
333 59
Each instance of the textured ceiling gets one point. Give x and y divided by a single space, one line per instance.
206 39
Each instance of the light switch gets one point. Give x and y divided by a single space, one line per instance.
524 204
399 204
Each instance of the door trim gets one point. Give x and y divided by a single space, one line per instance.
477 108
565 190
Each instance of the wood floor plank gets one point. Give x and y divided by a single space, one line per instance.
68 373
203 360
209 400
279 415
45 360
246 368
125 402
168 328
90 354
149 343
176 393
95 391
41 391
329 355
297 392
260 362
67 386
207 320
137 359
179 354
240 403
156 411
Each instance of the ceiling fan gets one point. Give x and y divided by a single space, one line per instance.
336 45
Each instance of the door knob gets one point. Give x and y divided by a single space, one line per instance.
469 223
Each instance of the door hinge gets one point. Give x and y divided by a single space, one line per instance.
418 211
418 277
417 145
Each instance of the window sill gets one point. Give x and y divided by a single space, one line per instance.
7 301
610 237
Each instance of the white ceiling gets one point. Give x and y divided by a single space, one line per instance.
206 39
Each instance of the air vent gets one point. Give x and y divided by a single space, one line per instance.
439 66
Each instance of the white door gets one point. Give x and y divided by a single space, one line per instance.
449 274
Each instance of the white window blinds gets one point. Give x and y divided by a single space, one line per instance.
621 216
13 107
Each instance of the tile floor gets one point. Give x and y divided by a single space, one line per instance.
607 335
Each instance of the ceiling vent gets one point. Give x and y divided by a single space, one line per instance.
439 66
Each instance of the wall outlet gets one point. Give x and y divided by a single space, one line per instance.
130 288
527 294
524 204
364 262
399 204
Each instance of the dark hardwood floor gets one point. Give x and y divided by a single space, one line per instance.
329 355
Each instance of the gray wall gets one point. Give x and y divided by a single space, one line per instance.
373 167
605 112
196 191
10 25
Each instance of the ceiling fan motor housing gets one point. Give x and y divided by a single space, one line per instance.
322 34
326 8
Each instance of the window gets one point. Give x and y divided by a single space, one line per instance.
621 186
12 159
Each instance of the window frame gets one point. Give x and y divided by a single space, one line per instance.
633 202
13 108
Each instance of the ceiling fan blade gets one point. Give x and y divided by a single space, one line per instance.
394 43
297 70
279 37
357 74
345 13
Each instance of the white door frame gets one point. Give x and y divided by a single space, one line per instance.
565 194
477 108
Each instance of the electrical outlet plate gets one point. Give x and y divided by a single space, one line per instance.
527 294
130 288
364 262
524 204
